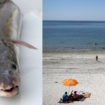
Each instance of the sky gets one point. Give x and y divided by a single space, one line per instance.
74 10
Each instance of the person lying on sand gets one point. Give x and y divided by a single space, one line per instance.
76 97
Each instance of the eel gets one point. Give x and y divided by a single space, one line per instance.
10 31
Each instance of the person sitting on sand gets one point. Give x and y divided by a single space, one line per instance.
65 97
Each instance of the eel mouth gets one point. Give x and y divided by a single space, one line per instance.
9 92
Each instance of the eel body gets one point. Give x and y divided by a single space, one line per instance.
10 29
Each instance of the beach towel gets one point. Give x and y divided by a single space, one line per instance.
82 99
61 101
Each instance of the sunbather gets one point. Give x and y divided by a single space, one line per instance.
65 97
77 97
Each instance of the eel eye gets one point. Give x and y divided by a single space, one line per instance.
13 66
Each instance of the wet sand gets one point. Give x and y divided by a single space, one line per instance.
80 66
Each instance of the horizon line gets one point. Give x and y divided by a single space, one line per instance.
73 20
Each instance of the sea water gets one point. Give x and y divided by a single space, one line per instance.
69 35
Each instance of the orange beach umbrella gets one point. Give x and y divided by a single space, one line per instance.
70 82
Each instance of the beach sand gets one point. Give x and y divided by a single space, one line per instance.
80 66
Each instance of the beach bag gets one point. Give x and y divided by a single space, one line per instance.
87 95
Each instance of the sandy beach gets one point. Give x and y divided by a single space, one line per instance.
80 66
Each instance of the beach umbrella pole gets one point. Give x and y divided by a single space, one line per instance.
69 90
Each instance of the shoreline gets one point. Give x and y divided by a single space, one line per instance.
56 52
66 50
